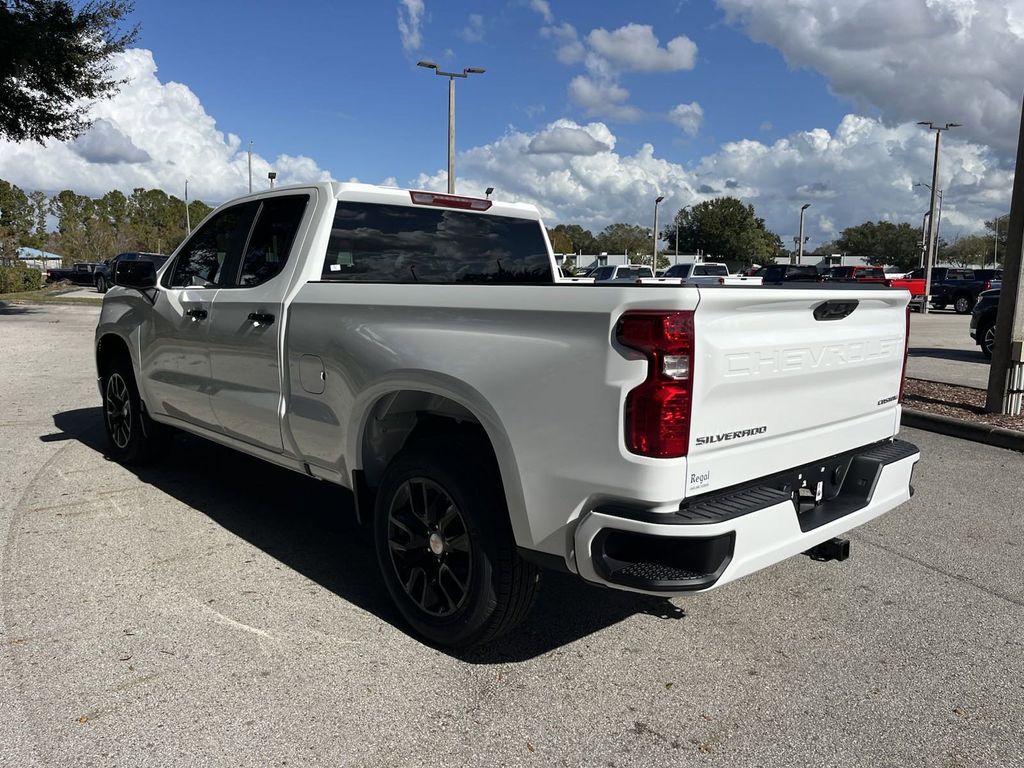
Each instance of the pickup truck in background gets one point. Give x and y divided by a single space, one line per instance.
79 274
103 277
958 287
912 284
705 273
628 273
407 345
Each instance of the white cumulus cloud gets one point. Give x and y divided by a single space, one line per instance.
635 47
861 170
568 139
688 117
410 15
602 97
150 134
938 60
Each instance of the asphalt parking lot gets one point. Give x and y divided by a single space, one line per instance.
941 349
218 611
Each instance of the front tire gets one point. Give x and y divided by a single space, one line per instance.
445 545
101 285
133 438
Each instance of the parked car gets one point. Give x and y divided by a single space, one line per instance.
774 274
401 343
621 273
983 320
103 278
914 285
79 274
958 286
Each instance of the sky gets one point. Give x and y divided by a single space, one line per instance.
589 109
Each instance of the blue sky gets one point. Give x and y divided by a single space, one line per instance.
345 91
587 109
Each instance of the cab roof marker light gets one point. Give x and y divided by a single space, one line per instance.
449 201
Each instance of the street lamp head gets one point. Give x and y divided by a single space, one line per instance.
272 175
659 198
805 206
954 125
474 70
427 64
488 192
925 122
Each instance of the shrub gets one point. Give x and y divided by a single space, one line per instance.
17 278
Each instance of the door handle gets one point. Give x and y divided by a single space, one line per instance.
197 314
260 318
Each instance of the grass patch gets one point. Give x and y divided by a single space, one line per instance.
54 294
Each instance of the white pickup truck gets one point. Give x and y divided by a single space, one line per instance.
705 273
416 348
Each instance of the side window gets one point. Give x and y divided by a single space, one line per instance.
206 258
271 240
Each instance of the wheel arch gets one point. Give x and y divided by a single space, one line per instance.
395 414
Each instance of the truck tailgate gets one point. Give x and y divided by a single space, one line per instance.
783 377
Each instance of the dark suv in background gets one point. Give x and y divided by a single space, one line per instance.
103 277
983 320
788 273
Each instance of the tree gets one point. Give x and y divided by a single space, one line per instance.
560 242
16 219
580 240
55 62
882 242
970 251
726 229
630 239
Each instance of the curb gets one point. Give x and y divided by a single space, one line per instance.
1000 437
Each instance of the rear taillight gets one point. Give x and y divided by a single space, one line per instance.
658 411
986 285
906 353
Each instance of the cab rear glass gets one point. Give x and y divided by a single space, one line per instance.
373 243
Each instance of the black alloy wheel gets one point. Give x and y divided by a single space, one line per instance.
117 408
963 305
987 334
101 285
133 437
445 546
430 548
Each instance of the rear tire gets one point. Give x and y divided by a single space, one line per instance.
963 305
132 436
987 338
445 545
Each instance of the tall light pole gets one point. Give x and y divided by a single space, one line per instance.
250 166
800 253
924 242
929 259
188 221
451 111
995 240
654 258
938 214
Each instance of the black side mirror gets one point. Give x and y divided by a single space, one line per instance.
135 274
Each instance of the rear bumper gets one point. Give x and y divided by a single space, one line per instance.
712 541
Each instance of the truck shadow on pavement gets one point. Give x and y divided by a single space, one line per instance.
310 526
962 355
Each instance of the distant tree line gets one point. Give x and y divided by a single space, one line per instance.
723 228
900 245
93 229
